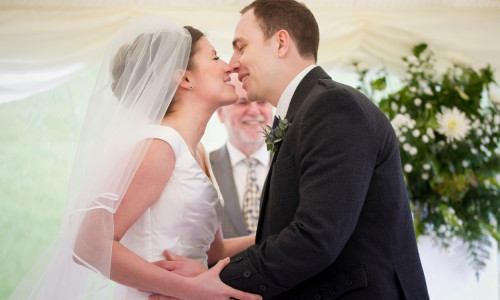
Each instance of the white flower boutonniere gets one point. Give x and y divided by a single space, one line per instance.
275 136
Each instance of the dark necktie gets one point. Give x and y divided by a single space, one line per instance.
275 122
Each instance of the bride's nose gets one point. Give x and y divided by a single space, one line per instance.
227 68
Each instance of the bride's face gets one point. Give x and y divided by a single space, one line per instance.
210 77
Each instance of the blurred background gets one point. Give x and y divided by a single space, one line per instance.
49 58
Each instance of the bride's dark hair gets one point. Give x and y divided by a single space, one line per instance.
127 55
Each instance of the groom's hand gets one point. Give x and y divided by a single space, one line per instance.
209 286
181 265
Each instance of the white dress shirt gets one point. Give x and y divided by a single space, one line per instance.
287 95
240 169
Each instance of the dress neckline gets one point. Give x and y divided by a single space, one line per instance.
209 169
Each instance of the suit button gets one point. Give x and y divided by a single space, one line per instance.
348 282
247 274
333 292
237 259
317 297
263 287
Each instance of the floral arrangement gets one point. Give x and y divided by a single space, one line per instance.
449 136
274 137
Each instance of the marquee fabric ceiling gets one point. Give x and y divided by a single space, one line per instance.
45 43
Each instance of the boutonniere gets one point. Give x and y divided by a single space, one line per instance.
274 137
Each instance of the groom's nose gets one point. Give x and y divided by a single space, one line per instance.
234 62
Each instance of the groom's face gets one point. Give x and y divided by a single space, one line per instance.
253 58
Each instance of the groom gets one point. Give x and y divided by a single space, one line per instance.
335 220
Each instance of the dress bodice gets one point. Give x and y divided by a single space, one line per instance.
183 220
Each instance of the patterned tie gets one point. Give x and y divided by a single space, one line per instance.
251 198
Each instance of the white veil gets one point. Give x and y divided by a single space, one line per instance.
138 78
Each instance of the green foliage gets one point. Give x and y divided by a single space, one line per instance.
274 137
448 129
38 138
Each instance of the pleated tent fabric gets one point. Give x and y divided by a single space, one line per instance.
47 43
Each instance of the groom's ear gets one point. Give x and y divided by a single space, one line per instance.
284 40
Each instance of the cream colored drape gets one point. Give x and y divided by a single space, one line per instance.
46 43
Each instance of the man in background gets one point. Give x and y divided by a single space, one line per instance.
241 165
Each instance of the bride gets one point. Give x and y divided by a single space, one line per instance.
141 181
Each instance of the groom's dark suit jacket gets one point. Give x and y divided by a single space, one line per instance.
335 220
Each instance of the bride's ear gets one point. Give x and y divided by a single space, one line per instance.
181 77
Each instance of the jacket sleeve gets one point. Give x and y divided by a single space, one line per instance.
335 154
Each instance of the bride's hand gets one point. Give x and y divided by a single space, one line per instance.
209 286
181 265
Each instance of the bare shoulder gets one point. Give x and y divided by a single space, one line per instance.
158 161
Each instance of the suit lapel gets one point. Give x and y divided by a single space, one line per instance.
224 173
303 89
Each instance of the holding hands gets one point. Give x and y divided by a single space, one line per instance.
203 283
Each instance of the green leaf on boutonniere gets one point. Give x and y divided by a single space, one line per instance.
274 137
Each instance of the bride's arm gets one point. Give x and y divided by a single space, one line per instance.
93 241
222 248
126 267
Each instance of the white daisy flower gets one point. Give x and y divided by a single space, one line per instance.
401 122
408 168
488 129
497 120
430 133
412 59
416 133
428 105
394 106
476 124
425 138
453 124
413 150
425 176
418 101
427 167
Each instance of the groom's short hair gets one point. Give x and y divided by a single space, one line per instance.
292 16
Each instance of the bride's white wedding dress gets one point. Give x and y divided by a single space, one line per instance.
185 218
